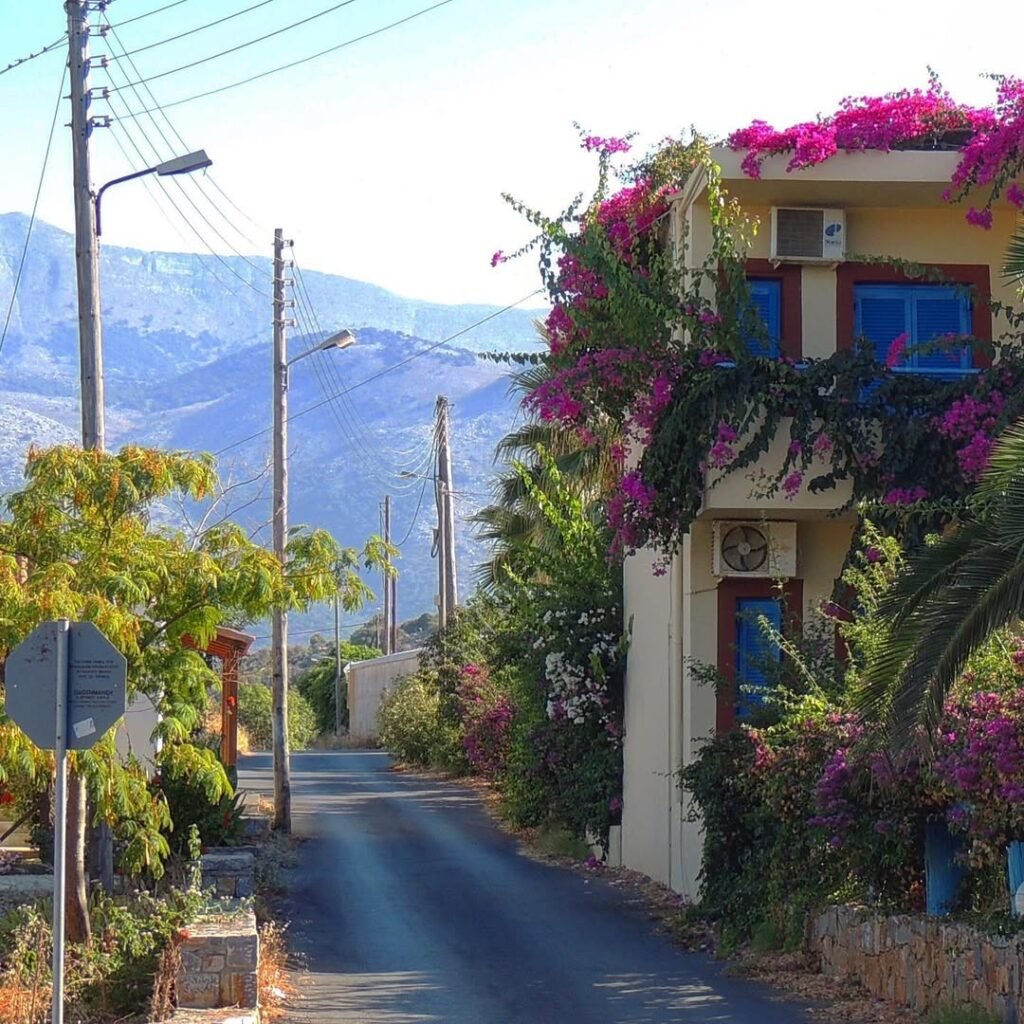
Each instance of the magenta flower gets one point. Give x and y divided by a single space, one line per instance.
872 554
498 257
980 218
894 355
791 485
1015 195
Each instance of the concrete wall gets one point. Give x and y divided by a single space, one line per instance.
367 681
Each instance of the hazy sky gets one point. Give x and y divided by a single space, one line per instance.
386 160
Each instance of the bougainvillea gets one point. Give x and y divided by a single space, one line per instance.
487 713
990 140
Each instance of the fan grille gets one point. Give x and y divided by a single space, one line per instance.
745 549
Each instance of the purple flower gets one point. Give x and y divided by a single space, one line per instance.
980 218
498 257
872 554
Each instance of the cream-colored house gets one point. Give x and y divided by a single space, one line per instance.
869 204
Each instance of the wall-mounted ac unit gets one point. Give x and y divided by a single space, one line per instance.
753 548
805 235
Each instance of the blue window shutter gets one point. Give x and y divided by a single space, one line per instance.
882 314
766 299
753 649
923 312
939 311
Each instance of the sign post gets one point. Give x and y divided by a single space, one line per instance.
66 686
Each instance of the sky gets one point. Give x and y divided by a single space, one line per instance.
386 160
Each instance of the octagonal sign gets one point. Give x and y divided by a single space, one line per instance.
97 684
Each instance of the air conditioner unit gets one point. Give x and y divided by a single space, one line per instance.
804 235
753 548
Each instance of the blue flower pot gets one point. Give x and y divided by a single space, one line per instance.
1015 875
943 872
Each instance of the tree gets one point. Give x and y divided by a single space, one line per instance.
318 685
514 523
84 540
950 599
1014 267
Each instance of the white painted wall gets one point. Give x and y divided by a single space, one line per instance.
367 681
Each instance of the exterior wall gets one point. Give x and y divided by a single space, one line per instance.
893 208
367 681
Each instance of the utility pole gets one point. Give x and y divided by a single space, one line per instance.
90 348
389 611
338 677
279 620
446 513
392 585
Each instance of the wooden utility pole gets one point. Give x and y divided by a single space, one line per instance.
449 595
392 585
338 675
389 611
90 349
279 620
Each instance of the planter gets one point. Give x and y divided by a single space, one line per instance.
1015 876
943 871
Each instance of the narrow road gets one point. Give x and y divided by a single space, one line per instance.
409 905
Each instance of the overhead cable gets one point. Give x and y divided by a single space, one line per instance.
149 14
62 41
200 28
35 207
388 369
305 60
242 46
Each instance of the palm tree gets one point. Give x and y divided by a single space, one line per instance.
949 601
514 523
1014 266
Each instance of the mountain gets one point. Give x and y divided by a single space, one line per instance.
187 351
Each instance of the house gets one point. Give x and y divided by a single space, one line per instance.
814 299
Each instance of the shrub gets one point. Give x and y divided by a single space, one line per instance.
189 803
318 685
254 715
412 727
487 714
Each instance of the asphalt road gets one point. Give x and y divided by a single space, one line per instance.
409 905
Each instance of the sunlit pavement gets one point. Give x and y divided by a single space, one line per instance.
409 905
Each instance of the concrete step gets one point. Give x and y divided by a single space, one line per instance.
219 961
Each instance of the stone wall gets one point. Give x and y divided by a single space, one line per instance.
921 962
230 870
219 962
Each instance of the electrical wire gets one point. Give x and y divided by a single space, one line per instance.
35 207
200 28
305 60
196 182
247 43
62 41
416 514
388 369
149 14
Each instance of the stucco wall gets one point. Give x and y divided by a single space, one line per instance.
367 681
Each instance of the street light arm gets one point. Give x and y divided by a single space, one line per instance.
116 181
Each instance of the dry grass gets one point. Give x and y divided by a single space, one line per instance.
274 980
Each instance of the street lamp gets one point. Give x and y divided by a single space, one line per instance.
279 617
187 164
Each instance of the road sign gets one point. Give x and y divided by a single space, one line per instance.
96 678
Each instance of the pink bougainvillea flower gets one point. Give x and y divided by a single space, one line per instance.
791 485
894 355
872 554
1015 195
498 257
980 218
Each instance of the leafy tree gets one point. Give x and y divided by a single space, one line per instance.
84 540
254 715
950 599
317 685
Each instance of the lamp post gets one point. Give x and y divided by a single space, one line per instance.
187 164
279 618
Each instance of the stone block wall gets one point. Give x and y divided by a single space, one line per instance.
219 962
921 962
230 871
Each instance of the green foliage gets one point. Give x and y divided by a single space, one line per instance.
557 841
410 721
254 715
111 978
317 685
962 1013
200 798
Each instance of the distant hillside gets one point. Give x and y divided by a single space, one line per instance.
189 365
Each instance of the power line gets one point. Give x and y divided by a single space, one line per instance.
305 60
196 182
62 41
35 207
388 369
415 515
149 14
242 46
200 28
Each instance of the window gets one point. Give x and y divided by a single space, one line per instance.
921 312
754 651
766 300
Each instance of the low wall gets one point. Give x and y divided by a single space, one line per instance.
367 681
921 962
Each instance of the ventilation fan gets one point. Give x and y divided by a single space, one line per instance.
743 548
